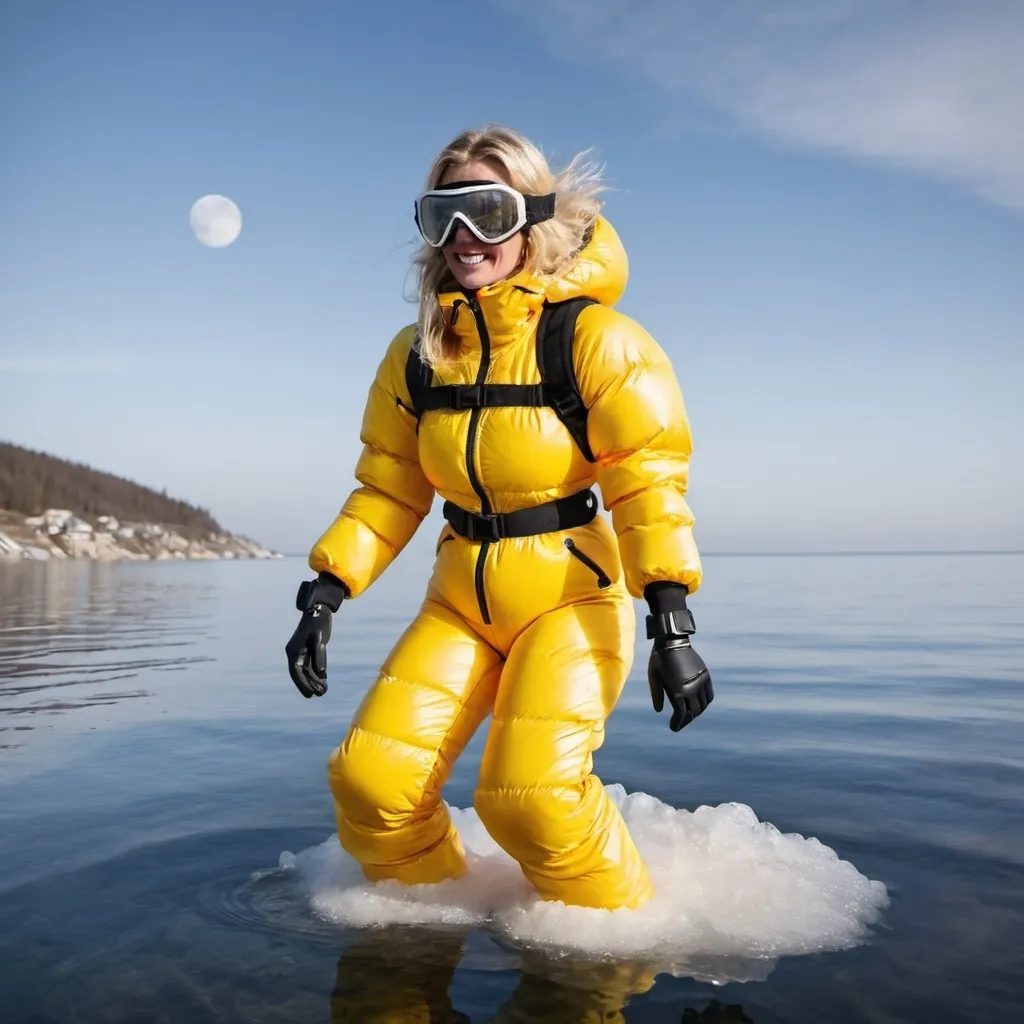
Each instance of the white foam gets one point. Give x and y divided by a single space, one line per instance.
728 887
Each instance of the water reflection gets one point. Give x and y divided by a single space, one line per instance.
393 975
390 975
73 634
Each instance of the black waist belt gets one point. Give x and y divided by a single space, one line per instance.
563 514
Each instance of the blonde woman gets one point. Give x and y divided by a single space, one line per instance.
511 400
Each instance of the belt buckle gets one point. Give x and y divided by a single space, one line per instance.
466 396
476 521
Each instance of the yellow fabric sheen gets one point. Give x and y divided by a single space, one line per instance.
549 657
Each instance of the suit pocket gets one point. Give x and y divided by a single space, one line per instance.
602 577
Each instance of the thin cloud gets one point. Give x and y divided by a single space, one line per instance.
935 88
75 365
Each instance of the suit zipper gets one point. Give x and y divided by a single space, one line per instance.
602 577
474 480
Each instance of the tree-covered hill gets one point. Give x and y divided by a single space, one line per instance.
31 482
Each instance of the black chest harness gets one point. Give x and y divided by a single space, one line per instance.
557 390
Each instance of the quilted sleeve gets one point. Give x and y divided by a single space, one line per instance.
640 436
381 515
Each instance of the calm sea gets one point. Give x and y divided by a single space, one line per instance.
839 838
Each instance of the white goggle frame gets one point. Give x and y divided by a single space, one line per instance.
522 216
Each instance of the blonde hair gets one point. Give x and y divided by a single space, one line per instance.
552 246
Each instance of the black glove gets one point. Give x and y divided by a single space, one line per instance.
307 649
675 669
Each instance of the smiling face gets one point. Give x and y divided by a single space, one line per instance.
473 263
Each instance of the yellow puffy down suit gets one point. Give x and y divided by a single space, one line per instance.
537 631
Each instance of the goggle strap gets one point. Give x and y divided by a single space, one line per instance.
539 208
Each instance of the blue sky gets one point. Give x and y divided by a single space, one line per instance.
823 205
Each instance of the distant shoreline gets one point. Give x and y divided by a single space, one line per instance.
55 509
62 535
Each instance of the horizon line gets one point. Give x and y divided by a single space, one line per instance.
923 553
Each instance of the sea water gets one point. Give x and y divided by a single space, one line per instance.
840 836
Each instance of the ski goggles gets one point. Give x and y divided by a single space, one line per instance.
492 210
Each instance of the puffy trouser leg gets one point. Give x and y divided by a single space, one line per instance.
537 795
433 691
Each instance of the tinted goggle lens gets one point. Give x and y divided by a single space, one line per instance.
493 212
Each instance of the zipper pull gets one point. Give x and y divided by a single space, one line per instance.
602 578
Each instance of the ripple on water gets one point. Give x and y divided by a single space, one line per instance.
67 647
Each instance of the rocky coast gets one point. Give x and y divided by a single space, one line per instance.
62 534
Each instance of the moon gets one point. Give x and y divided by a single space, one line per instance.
215 221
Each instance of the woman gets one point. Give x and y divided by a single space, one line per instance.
527 615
